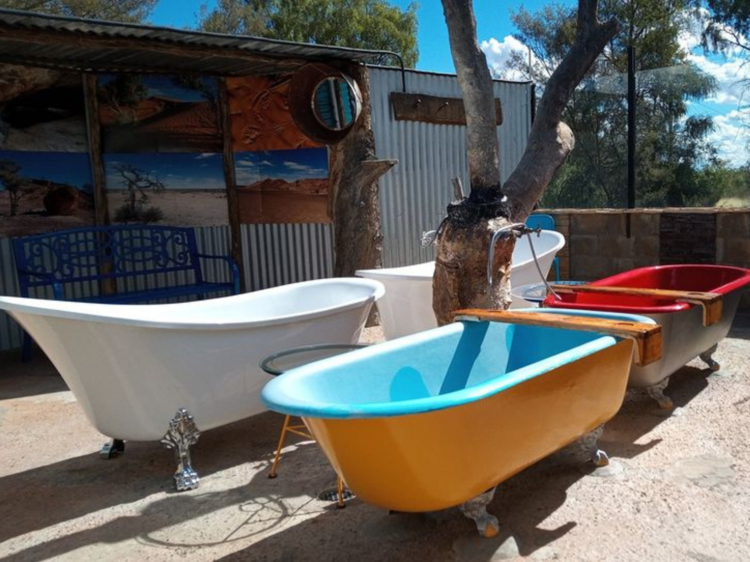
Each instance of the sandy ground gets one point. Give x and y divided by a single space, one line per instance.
678 488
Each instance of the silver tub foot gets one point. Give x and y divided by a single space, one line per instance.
657 393
112 448
181 435
707 358
589 444
476 509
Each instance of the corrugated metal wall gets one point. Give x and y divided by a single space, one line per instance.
277 254
414 195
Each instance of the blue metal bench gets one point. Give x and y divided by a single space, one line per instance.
117 265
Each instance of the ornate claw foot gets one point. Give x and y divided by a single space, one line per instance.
707 358
112 448
590 445
476 509
181 435
657 393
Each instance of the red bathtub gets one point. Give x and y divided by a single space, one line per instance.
685 336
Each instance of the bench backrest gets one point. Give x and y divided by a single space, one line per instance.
104 252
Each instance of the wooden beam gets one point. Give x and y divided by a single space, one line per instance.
712 303
434 109
233 205
647 337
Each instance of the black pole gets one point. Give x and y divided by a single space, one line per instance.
631 127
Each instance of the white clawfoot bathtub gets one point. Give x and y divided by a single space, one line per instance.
406 307
132 367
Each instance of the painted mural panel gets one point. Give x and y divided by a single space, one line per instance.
155 113
179 189
283 186
45 175
42 191
259 110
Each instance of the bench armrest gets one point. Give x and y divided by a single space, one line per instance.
233 267
57 288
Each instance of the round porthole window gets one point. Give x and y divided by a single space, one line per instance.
324 102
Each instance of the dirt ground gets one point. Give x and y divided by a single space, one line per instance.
678 488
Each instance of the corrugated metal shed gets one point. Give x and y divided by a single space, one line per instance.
415 194
100 46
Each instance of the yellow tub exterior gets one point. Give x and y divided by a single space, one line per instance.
435 460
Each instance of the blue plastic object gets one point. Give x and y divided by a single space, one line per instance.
545 222
130 256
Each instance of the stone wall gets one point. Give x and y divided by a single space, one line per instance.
604 242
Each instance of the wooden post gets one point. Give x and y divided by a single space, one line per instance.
233 208
93 129
353 197
98 182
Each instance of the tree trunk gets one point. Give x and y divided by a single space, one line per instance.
354 203
463 245
460 279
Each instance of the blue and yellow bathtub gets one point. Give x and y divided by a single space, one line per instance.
431 420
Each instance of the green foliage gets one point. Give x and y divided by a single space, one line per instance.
671 149
367 24
122 95
729 24
131 11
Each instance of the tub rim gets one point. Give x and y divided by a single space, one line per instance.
274 393
725 289
147 315
387 272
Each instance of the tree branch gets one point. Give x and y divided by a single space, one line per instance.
551 141
476 86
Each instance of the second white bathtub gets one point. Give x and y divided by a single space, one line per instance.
406 307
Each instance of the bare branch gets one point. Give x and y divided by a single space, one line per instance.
551 141
476 86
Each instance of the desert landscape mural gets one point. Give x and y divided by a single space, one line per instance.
260 115
283 186
42 191
154 113
48 119
179 189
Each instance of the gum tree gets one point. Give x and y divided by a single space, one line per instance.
464 241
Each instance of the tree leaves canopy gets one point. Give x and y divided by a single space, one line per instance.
672 147
366 24
129 11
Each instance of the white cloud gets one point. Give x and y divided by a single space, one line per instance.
498 55
731 135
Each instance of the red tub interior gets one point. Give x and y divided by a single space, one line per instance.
705 278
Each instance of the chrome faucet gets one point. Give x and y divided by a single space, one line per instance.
516 229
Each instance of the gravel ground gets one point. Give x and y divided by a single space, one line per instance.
678 488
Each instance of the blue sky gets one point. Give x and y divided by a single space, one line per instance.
72 168
290 165
176 170
492 21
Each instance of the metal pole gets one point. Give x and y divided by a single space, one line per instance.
631 127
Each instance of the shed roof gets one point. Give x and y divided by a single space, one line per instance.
88 45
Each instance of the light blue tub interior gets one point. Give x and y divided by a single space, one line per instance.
432 370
